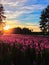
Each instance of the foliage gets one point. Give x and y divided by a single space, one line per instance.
2 17
44 23
18 30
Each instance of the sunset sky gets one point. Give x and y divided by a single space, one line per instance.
24 13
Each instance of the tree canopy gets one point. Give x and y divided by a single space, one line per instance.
19 30
2 17
44 20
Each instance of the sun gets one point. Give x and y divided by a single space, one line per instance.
7 27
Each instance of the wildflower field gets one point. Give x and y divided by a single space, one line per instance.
17 49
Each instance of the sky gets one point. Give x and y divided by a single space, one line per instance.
24 13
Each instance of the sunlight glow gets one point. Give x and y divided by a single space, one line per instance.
7 27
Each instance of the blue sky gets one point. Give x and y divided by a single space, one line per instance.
24 13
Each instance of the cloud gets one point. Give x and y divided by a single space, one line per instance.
13 2
32 8
23 10
16 8
12 15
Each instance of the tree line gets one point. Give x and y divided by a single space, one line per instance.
20 30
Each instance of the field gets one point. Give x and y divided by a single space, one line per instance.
25 39
19 49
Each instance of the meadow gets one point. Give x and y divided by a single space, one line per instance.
19 49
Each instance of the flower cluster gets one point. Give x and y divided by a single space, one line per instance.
24 50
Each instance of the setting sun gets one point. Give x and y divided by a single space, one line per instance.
6 27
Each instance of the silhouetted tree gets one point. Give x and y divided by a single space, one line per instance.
44 23
2 17
18 30
26 31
